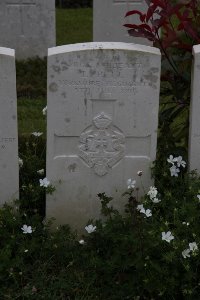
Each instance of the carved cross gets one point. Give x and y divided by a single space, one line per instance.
20 4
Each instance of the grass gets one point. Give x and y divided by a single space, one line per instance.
72 26
30 117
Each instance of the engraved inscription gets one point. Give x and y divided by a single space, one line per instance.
20 5
108 86
4 141
107 77
102 145
97 83
90 69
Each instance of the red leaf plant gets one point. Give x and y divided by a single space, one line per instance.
174 27
179 22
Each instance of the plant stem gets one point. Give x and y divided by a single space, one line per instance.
164 51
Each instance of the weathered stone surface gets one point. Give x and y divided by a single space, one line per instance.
9 170
28 26
194 134
102 120
108 20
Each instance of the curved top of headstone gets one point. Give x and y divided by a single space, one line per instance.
196 49
7 51
102 45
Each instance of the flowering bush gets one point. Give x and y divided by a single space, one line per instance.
149 252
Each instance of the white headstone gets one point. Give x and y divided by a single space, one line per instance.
102 121
28 26
194 134
109 18
9 170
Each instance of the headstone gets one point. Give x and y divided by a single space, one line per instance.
102 122
194 133
109 17
9 170
28 26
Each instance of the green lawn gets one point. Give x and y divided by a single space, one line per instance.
72 26
30 116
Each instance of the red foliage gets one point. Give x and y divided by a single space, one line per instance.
180 23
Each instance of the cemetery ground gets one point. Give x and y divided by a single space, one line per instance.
149 252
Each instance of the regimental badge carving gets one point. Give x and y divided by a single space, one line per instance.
102 144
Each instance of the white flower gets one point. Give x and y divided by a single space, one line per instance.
90 228
140 207
44 182
156 200
185 253
131 183
186 223
167 236
174 171
171 159
82 242
152 193
180 161
44 111
37 133
26 229
139 173
142 210
148 213
198 196
41 172
26 250
20 161
193 246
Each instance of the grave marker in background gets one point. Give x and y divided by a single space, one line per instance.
9 170
194 134
109 17
102 121
28 26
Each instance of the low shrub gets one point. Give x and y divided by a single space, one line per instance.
149 252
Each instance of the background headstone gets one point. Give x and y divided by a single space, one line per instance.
102 121
9 170
109 17
194 134
28 26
